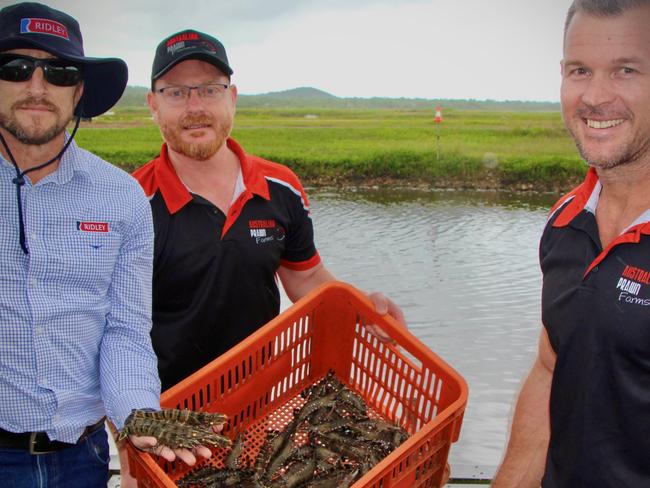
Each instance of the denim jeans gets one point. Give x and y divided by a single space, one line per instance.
84 465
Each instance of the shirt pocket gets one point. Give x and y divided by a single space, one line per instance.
83 261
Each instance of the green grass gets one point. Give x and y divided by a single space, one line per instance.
476 149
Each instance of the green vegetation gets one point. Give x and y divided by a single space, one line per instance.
313 98
478 149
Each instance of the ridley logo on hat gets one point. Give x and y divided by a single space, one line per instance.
43 26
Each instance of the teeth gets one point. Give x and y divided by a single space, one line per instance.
604 124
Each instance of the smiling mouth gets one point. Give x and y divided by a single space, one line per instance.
196 126
604 124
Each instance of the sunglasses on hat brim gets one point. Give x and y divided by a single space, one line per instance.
19 68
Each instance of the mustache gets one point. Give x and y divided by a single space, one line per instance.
35 102
196 119
587 112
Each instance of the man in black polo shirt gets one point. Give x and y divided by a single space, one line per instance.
225 221
583 416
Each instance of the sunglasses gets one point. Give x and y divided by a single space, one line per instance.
19 67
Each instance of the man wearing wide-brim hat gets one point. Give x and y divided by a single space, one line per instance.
75 263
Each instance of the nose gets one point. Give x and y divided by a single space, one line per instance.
194 102
598 91
36 84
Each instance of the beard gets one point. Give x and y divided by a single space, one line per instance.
621 157
37 134
631 151
199 151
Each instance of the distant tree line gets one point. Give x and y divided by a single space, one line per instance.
305 97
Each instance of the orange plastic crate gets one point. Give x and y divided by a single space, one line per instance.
258 384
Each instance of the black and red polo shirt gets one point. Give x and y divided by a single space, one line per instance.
596 310
214 277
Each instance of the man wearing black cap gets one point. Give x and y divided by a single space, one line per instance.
225 221
75 263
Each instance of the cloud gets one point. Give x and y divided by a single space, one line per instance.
413 48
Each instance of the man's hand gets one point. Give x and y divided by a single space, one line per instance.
384 305
150 444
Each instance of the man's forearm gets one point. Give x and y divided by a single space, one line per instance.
525 458
298 283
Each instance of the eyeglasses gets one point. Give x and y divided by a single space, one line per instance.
19 67
178 94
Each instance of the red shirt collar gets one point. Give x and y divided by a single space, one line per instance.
579 201
175 193
579 198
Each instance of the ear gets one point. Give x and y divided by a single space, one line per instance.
233 93
233 98
153 106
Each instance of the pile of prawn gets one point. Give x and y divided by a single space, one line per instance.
330 442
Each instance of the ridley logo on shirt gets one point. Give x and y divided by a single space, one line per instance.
92 226
43 26
630 283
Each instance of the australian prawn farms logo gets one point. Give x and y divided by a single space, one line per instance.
630 285
265 230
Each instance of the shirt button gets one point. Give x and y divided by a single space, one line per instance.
39 330
56 417
33 282
44 382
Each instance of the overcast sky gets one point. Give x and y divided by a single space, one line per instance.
480 49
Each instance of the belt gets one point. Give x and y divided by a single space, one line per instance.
39 442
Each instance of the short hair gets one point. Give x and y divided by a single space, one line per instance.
601 8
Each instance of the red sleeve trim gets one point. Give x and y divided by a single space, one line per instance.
301 265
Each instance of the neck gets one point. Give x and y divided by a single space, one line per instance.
219 164
623 198
29 156
628 182
214 179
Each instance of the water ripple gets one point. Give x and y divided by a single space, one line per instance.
464 268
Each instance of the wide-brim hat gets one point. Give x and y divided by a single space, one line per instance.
37 26
189 44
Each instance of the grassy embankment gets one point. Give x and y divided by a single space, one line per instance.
513 150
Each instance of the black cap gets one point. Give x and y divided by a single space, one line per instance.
37 26
188 44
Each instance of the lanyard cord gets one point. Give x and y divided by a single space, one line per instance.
19 180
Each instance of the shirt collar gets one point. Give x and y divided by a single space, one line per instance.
586 197
71 162
175 193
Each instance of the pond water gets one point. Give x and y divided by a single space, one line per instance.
463 267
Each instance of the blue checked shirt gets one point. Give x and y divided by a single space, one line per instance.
75 313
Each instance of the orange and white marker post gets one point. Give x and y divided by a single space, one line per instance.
438 121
